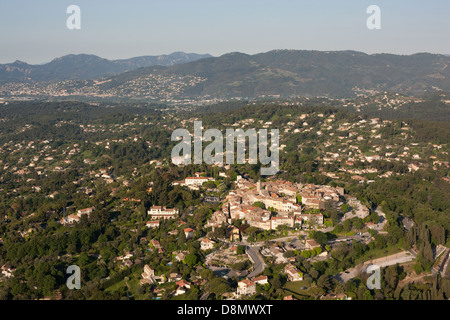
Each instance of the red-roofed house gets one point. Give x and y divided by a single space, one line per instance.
293 273
189 233
206 244
260 280
87 211
246 287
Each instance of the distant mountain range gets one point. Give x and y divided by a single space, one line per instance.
84 66
289 72
275 73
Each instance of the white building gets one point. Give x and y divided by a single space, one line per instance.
206 244
196 181
293 273
246 287
158 212
262 280
152 224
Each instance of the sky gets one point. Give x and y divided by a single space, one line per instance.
36 31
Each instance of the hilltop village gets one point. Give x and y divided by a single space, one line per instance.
271 205
94 186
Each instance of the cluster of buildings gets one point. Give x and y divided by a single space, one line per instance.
181 285
152 86
247 287
267 205
315 197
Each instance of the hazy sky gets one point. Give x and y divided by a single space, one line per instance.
35 31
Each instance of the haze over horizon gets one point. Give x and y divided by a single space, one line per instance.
206 53
36 32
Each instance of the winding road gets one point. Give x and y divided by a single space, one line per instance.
401 257
258 262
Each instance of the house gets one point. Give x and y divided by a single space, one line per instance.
293 273
332 296
312 244
75 218
158 212
183 284
413 167
175 277
181 255
217 219
182 287
180 291
155 244
298 221
372 158
371 225
262 280
189 233
126 256
234 234
87 211
313 203
359 178
282 220
152 224
148 276
127 263
196 181
291 297
246 287
313 218
206 244
72 218
7 270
